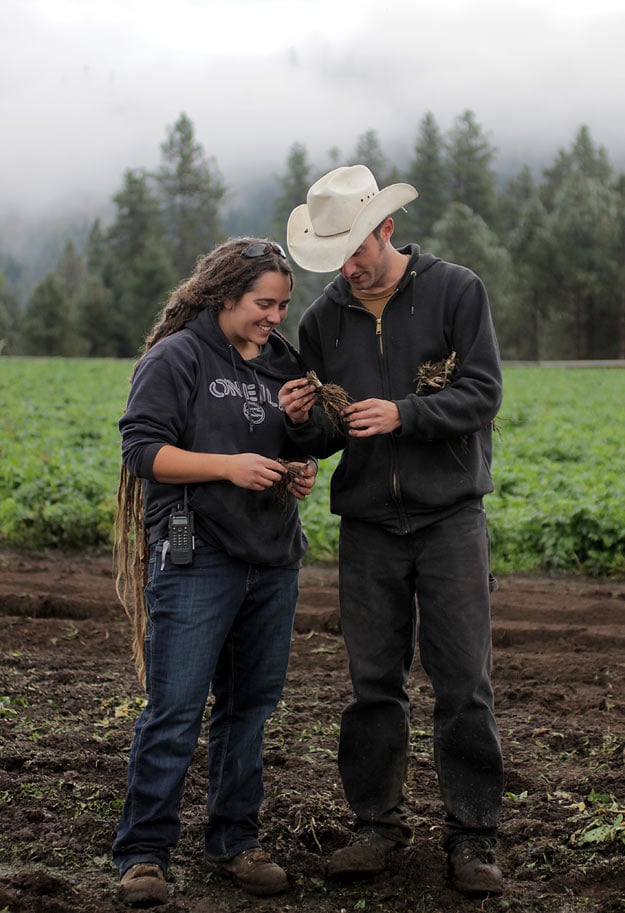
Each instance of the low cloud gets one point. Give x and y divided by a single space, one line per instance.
89 89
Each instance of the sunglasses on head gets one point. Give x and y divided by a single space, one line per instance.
259 248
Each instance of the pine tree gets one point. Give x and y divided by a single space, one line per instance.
136 264
582 239
532 271
9 318
427 172
463 236
98 322
71 269
470 156
584 157
369 152
294 186
191 189
47 327
517 193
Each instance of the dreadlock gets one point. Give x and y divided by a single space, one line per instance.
220 274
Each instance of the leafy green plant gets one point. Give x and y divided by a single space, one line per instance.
558 465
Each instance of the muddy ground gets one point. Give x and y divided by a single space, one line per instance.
68 699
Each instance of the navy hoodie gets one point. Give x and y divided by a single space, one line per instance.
440 457
193 390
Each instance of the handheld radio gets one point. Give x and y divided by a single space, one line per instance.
181 534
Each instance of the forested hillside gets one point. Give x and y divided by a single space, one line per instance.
550 246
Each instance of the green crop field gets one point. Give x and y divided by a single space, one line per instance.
559 465
559 469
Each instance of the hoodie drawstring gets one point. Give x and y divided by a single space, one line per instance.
413 276
243 388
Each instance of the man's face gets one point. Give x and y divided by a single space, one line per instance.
367 268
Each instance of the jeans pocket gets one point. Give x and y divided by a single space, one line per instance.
155 569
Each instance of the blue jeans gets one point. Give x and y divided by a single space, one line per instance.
218 624
443 572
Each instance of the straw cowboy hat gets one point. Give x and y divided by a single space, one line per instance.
341 209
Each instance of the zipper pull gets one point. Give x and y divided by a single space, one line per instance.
378 326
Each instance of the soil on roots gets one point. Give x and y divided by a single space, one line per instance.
69 698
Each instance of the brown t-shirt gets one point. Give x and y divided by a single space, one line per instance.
374 301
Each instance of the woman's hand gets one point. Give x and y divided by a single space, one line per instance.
185 467
297 397
253 471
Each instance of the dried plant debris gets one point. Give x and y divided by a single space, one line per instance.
433 376
332 398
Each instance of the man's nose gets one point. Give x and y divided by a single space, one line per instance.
348 268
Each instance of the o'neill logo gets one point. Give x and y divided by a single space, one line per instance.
255 399
254 413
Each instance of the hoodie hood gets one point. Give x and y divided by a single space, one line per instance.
278 359
339 290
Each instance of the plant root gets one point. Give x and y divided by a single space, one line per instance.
438 375
332 399
281 487
434 376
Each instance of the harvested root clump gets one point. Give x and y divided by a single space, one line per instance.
332 399
434 376
281 487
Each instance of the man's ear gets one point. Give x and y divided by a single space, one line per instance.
388 227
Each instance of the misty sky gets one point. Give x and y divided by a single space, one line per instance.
89 87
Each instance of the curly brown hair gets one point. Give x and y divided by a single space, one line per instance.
228 271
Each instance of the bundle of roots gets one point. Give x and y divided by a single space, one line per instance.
281 487
433 376
332 399
436 375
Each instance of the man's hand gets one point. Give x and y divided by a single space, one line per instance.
297 397
304 478
371 416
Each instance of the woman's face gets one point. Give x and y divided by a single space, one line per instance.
249 321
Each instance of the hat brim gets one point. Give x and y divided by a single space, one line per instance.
325 254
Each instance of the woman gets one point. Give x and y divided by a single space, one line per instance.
208 521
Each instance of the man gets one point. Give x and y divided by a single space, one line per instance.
413 541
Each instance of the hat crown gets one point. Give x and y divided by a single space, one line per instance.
335 200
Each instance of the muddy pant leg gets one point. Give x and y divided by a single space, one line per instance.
378 620
455 646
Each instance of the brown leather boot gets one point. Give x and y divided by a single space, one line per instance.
473 868
254 872
367 854
143 885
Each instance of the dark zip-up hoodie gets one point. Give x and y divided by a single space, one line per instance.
440 457
194 390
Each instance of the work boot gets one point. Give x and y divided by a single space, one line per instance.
367 854
143 885
473 868
254 872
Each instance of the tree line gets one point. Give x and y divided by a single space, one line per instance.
550 249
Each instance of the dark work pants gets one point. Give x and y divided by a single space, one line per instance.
444 570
